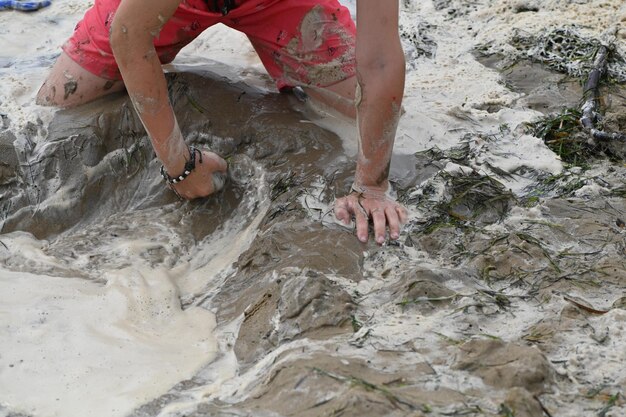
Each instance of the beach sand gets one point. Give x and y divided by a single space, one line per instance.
505 295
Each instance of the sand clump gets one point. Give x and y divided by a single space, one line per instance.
293 310
306 327
507 365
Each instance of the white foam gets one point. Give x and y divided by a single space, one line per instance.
74 348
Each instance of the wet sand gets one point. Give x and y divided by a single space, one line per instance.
505 294
484 304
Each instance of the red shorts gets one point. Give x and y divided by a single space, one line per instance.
300 42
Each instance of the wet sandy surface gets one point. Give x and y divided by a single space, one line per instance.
486 304
505 294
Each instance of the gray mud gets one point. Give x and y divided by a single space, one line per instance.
544 90
488 305
492 302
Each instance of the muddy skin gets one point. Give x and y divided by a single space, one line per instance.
148 55
384 175
48 98
147 105
383 147
70 88
108 85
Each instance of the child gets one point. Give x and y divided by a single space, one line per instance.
313 44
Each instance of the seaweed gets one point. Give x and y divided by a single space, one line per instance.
477 197
420 300
284 183
356 324
419 43
394 399
566 50
505 411
595 62
194 103
468 201
561 133
610 403
450 340
619 192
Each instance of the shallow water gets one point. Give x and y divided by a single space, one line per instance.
118 300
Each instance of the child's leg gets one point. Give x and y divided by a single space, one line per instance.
68 85
339 96
87 68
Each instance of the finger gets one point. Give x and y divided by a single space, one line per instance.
393 221
378 216
341 211
361 221
402 214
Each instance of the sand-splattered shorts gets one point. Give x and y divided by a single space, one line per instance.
300 42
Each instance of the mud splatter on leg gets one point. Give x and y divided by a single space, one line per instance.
70 88
358 95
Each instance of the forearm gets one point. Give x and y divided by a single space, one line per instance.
147 89
379 103
132 44
380 85
380 76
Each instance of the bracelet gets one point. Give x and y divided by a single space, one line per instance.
190 165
